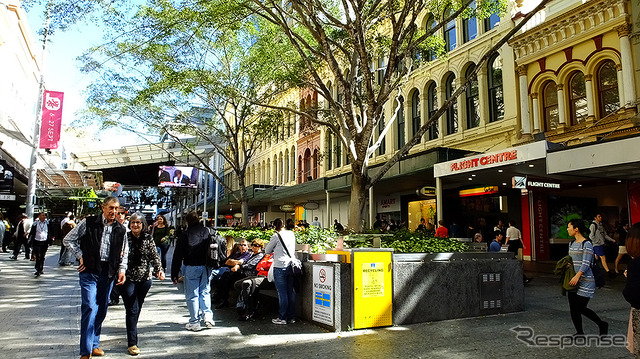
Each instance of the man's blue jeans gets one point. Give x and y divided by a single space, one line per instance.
283 279
94 290
197 287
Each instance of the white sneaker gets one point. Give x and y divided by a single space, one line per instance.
209 323
278 321
193 327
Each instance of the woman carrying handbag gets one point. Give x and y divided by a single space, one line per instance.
281 244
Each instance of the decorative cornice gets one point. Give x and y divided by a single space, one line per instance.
559 87
534 95
623 30
588 77
521 70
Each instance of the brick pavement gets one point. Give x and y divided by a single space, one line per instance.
39 318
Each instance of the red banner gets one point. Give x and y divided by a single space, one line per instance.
51 119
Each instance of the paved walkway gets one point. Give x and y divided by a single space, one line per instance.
40 318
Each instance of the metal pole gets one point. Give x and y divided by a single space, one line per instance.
215 223
206 186
33 169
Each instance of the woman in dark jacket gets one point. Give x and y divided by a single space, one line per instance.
142 256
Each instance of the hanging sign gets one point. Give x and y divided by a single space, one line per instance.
51 119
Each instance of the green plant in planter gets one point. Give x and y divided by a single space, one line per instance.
319 240
404 241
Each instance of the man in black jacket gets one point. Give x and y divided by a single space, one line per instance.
99 243
40 238
192 249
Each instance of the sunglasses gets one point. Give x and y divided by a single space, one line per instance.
255 245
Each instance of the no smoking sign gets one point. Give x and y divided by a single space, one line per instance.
322 275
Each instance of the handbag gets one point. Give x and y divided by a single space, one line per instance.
296 264
270 274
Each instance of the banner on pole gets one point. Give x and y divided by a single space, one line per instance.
51 119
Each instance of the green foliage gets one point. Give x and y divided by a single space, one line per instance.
404 241
318 239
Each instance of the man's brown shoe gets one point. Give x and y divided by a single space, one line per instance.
97 352
85 357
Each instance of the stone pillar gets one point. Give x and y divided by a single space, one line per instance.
588 83
524 100
462 118
561 115
620 85
483 95
627 64
439 199
408 122
442 121
536 114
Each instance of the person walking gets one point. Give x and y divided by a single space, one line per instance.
40 237
622 230
22 233
281 242
142 256
441 231
161 238
3 229
631 290
66 257
191 249
581 252
514 242
99 243
598 235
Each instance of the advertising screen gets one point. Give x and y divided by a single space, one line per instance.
177 176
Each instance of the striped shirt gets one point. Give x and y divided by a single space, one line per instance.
582 255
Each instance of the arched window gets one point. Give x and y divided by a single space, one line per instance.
550 106
470 26
578 98
432 104
473 116
452 111
381 125
449 31
415 113
496 94
401 123
431 24
491 21
608 98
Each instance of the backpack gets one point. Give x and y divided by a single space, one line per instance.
217 251
597 272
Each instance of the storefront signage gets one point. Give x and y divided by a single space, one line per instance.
287 208
522 182
311 205
541 226
323 295
478 191
7 197
389 204
426 192
532 151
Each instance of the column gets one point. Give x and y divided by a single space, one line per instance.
536 114
483 94
627 64
590 100
439 199
460 104
408 120
328 223
524 100
442 121
620 85
561 115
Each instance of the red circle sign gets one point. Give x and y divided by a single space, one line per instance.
322 275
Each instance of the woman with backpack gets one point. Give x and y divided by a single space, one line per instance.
581 252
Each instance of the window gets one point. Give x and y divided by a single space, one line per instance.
470 26
329 137
415 113
381 124
432 104
608 98
496 95
315 163
473 117
550 106
401 123
431 24
491 21
450 31
452 111
578 100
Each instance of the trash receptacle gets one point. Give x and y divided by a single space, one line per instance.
371 270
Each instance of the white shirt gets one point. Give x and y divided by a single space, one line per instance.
42 229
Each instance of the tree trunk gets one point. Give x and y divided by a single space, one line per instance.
358 201
244 201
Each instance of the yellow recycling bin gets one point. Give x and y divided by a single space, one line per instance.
372 287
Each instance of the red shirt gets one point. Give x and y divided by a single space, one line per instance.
442 232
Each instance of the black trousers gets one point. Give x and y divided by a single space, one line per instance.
40 251
133 294
19 242
578 308
248 289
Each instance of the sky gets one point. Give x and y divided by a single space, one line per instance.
62 74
